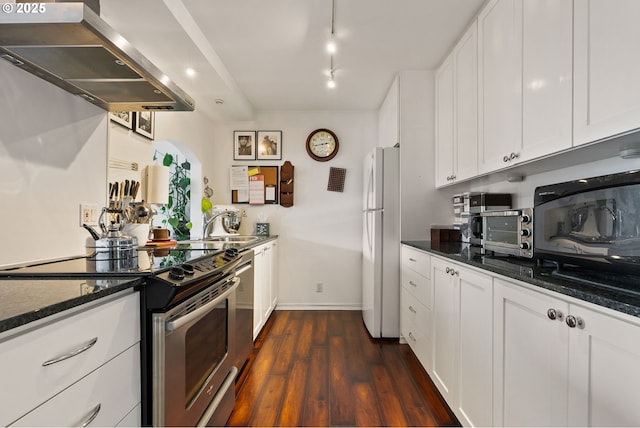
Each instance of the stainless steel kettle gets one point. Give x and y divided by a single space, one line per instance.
113 251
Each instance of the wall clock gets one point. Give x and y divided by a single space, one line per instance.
322 145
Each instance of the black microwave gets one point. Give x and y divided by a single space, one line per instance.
592 223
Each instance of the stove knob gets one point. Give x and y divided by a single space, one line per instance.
231 252
525 246
526 218
176 273
525 232
188 269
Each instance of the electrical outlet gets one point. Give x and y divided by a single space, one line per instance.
89 214
319 287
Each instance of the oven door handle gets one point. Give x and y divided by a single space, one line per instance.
203 310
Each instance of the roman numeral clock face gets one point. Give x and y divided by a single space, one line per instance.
322 145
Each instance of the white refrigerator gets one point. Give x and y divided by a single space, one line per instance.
381 243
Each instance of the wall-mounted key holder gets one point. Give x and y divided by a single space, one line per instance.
286 184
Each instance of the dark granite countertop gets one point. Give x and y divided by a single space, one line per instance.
23 301
32 292
615 291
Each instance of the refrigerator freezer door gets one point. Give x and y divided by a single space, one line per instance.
372 272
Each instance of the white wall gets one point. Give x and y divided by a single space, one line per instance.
321 235
52 157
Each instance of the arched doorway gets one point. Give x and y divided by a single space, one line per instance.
181 216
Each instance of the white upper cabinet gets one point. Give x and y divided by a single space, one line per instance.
607 69
465 70
457 112
445 144
500 77
547 77
389 117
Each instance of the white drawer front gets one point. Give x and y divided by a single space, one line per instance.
115 324
416 328
416 260
414 311
418 285
115 387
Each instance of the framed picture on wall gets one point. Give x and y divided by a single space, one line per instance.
269 145
124 118
145 123
244 145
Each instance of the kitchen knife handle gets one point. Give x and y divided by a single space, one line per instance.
135 190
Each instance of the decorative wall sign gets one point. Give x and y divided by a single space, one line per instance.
244 145
145 124
124 118
336 179
269 145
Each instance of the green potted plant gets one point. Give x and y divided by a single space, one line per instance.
177 211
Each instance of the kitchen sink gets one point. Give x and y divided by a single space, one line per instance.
232 239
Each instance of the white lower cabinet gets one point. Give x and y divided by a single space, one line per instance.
462 333
265 274
530 366
506 353
561 363
60 371
416 303
99 399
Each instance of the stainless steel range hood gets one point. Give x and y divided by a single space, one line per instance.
69 45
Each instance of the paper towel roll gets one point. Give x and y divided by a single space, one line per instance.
156 184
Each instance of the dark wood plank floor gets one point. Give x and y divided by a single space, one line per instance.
321 368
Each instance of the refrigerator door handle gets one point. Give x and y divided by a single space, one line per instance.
369 187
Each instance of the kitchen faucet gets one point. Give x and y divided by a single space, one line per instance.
207 222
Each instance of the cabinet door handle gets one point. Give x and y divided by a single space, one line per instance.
80 350
413 283
92 415
412 260
412 309
554 314
411 336
574 322
505 159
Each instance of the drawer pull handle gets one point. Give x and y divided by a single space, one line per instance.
80 350
412 259
91 417
412 309
413 283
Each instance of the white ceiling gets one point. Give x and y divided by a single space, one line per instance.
261 55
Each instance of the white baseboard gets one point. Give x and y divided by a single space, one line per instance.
307 307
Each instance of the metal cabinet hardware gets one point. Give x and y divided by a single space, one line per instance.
92 415
413 283
510 157
554 314
411 308
451 177
412 260
66 356
451 271
573 321
411 336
